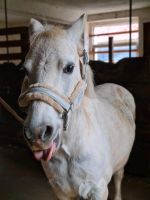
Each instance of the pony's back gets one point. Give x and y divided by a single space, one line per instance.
118 96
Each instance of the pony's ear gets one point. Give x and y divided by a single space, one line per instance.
76 31
35 27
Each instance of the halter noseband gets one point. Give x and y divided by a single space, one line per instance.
49 95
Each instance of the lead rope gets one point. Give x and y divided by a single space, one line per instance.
11 111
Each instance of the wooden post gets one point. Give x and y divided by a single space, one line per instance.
6 26
130 28
110 50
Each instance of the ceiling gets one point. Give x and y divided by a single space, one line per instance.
63 11
101 5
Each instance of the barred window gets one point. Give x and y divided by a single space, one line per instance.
119 31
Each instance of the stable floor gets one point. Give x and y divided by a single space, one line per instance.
22 178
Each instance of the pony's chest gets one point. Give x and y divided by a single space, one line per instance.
65 175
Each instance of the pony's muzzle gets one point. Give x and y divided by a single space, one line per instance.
42 134
42 141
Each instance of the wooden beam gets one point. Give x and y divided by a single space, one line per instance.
12 56
14 30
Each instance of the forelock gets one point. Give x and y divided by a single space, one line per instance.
53 33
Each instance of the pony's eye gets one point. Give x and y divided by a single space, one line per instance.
68 69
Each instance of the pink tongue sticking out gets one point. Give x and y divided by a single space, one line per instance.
45 154
38 155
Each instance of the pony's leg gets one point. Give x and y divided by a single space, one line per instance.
118 176
98 195
94 191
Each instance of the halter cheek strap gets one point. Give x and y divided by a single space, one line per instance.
85 62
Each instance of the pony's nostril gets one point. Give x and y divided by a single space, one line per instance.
48 133
39 133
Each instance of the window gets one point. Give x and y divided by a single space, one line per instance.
119 31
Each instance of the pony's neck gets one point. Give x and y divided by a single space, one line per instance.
80 131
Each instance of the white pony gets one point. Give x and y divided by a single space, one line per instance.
82 135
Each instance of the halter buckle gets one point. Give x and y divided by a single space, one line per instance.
85 57
85 62
65 120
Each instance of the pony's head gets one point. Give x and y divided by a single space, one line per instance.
53 79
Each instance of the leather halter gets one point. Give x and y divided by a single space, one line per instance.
59 102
